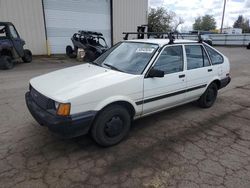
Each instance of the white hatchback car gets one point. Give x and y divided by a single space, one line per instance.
133 79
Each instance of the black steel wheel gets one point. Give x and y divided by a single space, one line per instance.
27 58
111 126
209 97
70 52
248 46
6 62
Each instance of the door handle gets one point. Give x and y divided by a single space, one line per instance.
209 70
182 76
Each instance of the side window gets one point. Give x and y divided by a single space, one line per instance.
215 57
13 32
196 57
170 60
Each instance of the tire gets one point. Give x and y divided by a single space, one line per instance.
248 46
111 126
27 58
70 52
209 97
90 56
6 62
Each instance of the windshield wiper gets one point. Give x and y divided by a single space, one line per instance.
94 63
112 67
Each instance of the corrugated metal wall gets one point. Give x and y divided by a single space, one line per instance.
27 16
127 15
225 39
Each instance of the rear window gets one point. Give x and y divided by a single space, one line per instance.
215 57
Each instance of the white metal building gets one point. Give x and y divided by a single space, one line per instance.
232 31
47 25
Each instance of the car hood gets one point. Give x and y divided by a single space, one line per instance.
65 84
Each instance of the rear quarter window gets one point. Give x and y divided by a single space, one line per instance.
215 57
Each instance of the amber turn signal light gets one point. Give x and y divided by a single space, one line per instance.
63 109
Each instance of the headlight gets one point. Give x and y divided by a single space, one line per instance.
62 109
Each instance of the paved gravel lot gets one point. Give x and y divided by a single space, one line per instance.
182 147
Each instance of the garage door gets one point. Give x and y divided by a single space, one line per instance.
65 17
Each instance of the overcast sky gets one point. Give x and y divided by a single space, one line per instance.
190 9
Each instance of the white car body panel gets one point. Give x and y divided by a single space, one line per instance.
90 88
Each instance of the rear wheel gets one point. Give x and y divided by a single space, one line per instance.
111 125
27 58
248 46
70 52
6 62
208 98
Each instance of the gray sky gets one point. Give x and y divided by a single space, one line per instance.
190 9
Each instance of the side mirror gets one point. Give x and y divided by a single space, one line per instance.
155 73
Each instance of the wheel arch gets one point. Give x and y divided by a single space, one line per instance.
126 103
217 81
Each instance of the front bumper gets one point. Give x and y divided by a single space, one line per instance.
66 127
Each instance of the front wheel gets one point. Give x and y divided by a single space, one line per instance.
208 98
111 126
6 62
27 58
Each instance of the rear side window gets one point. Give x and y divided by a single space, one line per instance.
196 57
215 57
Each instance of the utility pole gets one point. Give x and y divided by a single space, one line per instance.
223 15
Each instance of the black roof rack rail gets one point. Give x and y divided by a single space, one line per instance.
90 33
170 35
141 35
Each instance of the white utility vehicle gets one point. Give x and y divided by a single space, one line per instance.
133 79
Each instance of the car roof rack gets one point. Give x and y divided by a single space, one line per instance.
141 35
170 35
83 32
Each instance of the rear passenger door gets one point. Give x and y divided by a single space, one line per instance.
199 70
160 93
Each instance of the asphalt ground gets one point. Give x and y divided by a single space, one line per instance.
183 147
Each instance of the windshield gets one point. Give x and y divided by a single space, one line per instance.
2 31
129 57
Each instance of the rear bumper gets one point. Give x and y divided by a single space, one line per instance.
66 127
225 81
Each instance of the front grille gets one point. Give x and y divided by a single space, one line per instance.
41 100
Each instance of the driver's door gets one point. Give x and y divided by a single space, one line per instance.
161 93
17 41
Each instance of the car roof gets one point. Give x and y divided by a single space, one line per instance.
6 23
162 42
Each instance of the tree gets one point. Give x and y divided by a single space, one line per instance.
204 23
242 23
160 20
176 21
197 24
